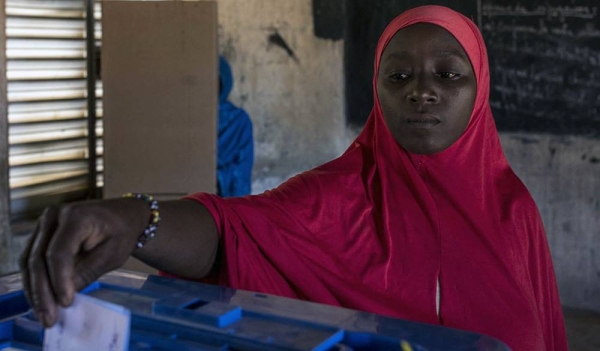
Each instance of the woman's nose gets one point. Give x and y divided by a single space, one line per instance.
421 92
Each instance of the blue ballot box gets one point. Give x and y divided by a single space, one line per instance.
169 314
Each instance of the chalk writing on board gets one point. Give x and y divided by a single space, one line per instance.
542 29
544 65
550 12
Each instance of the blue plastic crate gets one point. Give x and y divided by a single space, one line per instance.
169 314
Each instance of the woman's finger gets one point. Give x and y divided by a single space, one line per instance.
23 259
62 250
40 291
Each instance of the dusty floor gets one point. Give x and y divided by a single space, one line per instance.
583 329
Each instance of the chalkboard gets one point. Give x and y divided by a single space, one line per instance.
545 65
366 20
329 18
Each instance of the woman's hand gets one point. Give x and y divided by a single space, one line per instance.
73 245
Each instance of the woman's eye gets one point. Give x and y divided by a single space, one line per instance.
398 76
448 75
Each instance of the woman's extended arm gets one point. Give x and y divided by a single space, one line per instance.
73 245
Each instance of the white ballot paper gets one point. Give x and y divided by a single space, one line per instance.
89 324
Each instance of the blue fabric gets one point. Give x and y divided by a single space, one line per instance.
235 149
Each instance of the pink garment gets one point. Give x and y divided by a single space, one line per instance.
376 228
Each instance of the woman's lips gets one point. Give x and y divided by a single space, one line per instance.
424 120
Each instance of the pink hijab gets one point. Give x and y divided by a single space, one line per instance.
378 227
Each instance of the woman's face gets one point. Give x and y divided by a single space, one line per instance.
426 88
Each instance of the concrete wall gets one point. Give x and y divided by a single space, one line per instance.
295 97
563 176
299 121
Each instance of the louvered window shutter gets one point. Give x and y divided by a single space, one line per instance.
98 97
47 91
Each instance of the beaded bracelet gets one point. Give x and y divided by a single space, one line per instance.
154 218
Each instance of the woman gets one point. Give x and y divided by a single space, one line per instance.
422 218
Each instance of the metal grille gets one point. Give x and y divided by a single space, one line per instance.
47 112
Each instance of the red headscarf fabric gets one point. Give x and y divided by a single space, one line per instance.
377 228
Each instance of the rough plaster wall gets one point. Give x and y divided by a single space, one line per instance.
296 102
563 175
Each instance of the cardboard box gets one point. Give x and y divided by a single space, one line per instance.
160 78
